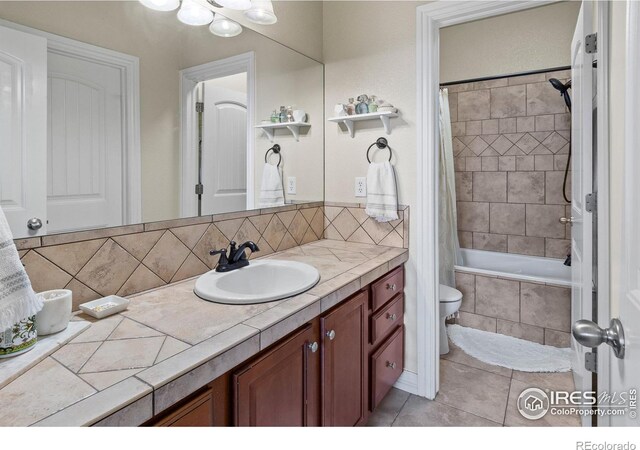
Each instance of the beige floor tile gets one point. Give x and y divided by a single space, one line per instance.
545 380
420 412
514 418
473 390
457 355
388 409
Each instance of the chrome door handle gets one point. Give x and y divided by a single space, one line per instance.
34 223
313 347
331 334
565 220
590 335
391 286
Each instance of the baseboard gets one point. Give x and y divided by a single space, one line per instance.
408 382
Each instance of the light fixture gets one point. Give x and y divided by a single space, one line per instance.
192 13
223 27
240 5
161 5
261 12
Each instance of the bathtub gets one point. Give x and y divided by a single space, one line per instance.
535 269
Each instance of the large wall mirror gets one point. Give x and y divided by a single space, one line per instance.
113 114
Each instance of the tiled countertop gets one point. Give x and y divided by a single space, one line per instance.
169 343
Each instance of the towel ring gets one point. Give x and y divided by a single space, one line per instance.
275 149
381 143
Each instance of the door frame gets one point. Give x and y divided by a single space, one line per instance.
129 68
430 18
189 78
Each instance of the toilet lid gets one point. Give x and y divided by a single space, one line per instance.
449 294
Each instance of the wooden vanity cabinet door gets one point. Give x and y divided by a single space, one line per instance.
344 363
198 412
279 388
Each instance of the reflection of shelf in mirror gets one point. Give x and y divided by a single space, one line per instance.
384 116
270 128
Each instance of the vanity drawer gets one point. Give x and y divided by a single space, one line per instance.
387 319
386 288
386 366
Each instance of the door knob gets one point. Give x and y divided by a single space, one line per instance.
331 334
34 223
589 334
313 347
565 220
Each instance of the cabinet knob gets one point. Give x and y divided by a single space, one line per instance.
391 317
331 334
391 287
313 347
392 365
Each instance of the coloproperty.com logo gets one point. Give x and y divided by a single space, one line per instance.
535 403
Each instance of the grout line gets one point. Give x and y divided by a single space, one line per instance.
395 417
504 418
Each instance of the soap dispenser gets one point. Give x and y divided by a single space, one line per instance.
362 107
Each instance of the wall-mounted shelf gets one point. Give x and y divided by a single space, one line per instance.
385 117
294 127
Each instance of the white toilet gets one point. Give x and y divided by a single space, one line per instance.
450 301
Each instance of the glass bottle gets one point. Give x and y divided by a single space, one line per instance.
289 114
362 107
373 106
351 107
283 114
274 117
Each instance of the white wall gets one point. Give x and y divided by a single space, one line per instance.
523 41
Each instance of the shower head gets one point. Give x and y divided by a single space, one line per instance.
563 88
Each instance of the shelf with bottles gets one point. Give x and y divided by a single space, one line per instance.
269 129
349 121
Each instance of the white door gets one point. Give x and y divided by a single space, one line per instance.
581 185
85 146
625 373
224 150
23 121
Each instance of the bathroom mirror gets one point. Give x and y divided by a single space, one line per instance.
110 134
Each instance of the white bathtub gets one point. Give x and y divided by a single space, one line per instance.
518 267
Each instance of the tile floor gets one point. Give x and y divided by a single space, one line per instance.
472 394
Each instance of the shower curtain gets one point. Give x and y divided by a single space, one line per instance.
448 223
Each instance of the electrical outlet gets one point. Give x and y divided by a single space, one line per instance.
361 187
291 185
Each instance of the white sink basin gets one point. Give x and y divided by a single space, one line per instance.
260 282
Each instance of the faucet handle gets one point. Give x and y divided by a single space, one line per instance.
222 253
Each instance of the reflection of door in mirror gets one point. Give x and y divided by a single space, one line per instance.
224 144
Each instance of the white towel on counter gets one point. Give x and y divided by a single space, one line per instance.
382 196
271 191
17 299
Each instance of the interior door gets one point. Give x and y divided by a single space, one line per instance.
625 373
23 121
224 150
581 167
85 147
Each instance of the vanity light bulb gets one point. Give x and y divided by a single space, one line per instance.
192 13
223 27
161 5
240 5
261 12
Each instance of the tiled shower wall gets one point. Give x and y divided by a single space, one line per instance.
511 144
131 259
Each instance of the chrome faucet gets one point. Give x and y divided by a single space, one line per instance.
237 256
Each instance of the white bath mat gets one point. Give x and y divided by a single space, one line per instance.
510 352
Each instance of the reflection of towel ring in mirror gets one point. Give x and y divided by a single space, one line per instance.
275 149
381 143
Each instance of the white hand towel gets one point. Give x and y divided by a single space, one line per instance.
17 299
271 192
382 196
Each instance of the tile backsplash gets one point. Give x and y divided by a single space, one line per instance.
131 259
511 144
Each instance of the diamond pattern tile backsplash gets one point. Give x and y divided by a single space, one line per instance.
511 144
131 259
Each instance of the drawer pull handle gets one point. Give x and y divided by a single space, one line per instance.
391 317
391 287
331 334
313 347
391 365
